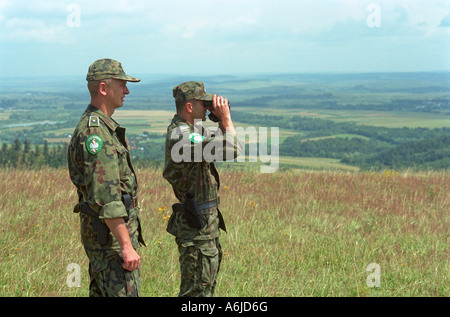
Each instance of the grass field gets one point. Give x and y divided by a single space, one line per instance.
296 233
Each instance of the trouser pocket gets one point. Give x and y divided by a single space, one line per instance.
110 279
199 266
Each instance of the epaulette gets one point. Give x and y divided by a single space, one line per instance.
183 128
94 121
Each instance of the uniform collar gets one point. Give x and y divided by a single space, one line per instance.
179 120
110 122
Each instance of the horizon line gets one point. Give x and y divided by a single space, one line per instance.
243 74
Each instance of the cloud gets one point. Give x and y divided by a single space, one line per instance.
28 21
242 35
188 19
32 30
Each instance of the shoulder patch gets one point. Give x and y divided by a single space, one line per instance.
94 143
94 121
196 138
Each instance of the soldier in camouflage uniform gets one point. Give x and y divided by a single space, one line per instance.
100 168
196 219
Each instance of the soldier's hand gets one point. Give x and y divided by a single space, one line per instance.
131 260
220 107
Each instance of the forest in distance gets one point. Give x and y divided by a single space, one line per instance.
370 121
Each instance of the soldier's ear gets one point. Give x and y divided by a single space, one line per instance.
189 107
102 89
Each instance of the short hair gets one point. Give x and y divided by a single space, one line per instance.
180 104
93 85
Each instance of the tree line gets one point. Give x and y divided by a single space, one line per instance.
370 148
28 156
18 155
425 154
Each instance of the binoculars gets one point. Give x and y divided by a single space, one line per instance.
209 105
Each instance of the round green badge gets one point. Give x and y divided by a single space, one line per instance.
94 144
196 138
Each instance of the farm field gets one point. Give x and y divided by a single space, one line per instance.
389 119
324 121
138 121
290 234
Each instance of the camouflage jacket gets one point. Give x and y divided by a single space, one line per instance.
100 168
190 153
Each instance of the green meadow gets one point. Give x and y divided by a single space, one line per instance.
290 234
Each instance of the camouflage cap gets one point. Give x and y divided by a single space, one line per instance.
108 68
191 90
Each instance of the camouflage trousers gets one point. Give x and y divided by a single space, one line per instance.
199 265
109 279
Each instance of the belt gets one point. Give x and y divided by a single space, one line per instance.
99 226
206 205
128 201
209 204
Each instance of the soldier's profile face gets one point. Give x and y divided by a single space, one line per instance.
199 111
116 92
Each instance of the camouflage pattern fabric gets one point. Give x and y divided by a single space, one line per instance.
101 174
109 279
200 264
200 252
191 90
199 178
108 68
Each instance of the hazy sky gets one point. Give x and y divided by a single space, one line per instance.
224 37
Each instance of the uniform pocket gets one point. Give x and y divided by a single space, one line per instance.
125 172
199 263
110 279
211 223
121 150
179 227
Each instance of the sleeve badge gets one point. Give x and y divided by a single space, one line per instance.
94 143
196 138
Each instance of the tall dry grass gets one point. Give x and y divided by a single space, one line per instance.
289 234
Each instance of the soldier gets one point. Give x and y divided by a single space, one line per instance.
100 168
196 219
